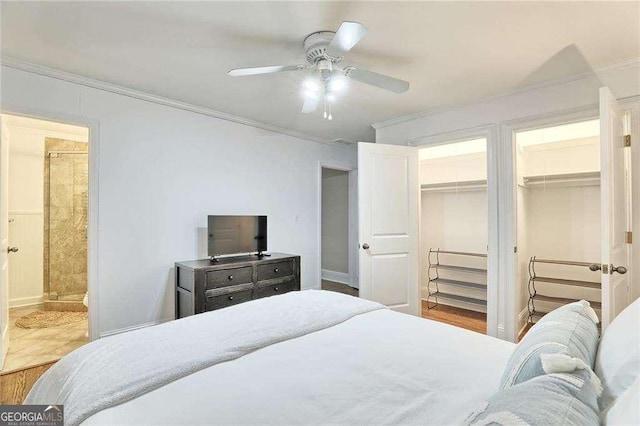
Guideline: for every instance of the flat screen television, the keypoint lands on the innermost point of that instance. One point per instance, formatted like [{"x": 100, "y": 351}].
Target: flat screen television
[{"x": 236, "y": 234}]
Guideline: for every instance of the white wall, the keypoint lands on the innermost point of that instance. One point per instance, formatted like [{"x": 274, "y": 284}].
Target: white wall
[
  {"x": 335, "y": 223},
  {"x": 26, "y": 183},
  {"x": 466, "y": 167},
  {"x": 574, "y": 156},
  {"x": 162, "y": 170}
]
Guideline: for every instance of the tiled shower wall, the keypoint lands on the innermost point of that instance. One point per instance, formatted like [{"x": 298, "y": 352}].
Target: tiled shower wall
[{"x": 65, "y": 219}]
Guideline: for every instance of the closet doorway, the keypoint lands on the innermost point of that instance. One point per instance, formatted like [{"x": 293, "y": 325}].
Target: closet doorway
[
  {"x": 558, "y": 207},
  {"x": 454, "y": 233},
  {"x": 338, "y": 227}
]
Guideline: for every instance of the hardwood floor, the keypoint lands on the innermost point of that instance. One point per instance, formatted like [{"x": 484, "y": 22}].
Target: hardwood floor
[
  {"x": 524, "y": 331},
  {"x": 340, "y": 288},
  {"x": 15, "y": 385},
  {"x": 470, "y": 320}
]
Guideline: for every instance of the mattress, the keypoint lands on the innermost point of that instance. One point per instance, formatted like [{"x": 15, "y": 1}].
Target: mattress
[{"x": 379, "y": 367}]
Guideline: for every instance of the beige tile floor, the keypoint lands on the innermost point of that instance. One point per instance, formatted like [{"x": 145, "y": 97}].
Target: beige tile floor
[{"x": 28, "y": 347}]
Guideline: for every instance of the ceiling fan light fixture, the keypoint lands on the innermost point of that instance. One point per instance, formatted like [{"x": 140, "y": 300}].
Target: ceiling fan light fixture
[
  {"x": 311, "y": 84},
  {"x": 310, "y": 94},
  {"x": 337, "y": 82}
]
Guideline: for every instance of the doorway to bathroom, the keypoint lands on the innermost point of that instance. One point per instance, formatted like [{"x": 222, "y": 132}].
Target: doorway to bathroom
[{"x": 46, "y": 181}]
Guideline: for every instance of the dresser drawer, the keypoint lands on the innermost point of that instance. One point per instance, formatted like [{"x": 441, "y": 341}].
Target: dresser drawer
[
  {"x": 227, "y": 277},
  {"x": 275, "y": 270},
  {"x": 273, "y": 289},
  {"x": 229, "y": 299}
]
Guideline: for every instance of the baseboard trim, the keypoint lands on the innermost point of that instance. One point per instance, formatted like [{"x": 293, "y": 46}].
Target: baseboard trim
[
  {"x": 521, "y": 323},
  {"x": 338, "y": 277},
  {"x": 25, "y": 301},
  {"x": 132, "y": 328},
  {"x": 4, "y": 343}
]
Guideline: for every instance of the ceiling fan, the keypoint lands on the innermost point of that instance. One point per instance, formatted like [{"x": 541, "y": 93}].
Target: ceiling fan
[{"x": 324, "y": 51}]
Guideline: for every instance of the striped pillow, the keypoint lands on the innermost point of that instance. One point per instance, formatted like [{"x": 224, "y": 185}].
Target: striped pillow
[
  {"x": 569, "y": 330},
  {"x": 551, "y": 399}
]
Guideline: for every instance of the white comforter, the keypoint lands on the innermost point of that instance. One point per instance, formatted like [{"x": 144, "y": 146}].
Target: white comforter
[{"x": 367, "y": 365}]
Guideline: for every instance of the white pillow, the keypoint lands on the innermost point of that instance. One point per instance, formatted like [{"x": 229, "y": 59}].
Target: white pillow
[
  {"x": 618, "y": 358},
  {"x": 625, "y": 411}
]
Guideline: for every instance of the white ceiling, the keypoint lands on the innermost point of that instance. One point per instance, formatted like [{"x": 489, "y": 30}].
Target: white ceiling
[{"x": 451, "y": 52}]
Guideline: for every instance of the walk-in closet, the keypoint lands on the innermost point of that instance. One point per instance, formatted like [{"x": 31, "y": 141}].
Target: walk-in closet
[
  {"x": 558, "y": 217},
  {"x": 454, "y": 227}
]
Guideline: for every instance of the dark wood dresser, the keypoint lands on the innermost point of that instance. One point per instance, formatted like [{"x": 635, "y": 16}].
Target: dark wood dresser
[{"x": 203, "y": 285}]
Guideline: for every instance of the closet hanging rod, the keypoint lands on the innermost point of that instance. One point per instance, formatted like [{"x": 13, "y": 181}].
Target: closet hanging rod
[
  {"x": 455, "y": 185},
  {"x": 460, "y": 253},
  {"x": 563, "y": 262}
]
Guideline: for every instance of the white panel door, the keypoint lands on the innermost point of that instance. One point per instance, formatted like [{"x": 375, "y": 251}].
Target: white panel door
[
  {"x": 4, "y": 241},
  {"x": 614, "y": 207},
  {"x": 388, "y": 190}
]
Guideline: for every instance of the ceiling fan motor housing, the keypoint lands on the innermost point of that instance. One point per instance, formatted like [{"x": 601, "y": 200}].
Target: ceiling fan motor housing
[{"x": 315, "y": 45}]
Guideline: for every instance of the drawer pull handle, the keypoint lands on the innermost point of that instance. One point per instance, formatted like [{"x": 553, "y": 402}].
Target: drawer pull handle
[
  {"x": 275, "y": 288},
  {"x": 276, "y": 270},
  {"x": 230, "y": 297},
  {"x": 230, "y": 277}
]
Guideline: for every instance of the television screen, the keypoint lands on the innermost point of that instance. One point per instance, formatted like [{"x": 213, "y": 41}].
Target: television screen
[{"x": 237, "y": 234}]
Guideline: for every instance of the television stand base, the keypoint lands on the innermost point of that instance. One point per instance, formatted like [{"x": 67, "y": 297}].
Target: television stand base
[{"x": 261, "y": 254}]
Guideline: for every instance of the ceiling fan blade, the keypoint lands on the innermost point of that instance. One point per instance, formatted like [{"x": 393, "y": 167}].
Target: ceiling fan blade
[
  {"x": 310, "y": 104},
  {"x": 347, "y": 36},
  {"x": 379, "y": 80},
  {"x": 238, "y": 72}
]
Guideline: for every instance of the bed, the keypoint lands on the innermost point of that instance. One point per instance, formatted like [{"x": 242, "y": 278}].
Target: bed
[
  {"x": 317, "y": 357},
  {"x": 310, "y": 357}
]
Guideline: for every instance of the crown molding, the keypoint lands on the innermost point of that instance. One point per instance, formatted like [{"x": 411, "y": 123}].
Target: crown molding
[
  {"x": 148, "y": 97},
  {"x": 557, "y": 82}
]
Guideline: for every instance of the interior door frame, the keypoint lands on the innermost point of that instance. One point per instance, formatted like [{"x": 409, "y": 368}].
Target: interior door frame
[
  {"x": 507, "y": 196},
  {"x": 488, "y": 132},
  {"x": 632, "y": 105},
  {"x": 92, "y": 208},
  {"x": 352, "y": 219}
]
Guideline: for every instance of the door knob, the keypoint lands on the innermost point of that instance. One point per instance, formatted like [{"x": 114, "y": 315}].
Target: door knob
[
  {"x": 619, "y": 269},
  {"x": 365, "y": 246},
  {"x": 15, "y": 249},
  {"x": 595, "y": 267}
]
